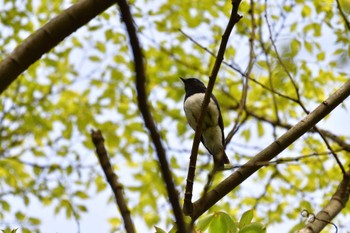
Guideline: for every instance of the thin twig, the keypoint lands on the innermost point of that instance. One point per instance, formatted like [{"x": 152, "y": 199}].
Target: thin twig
[
  {"x": 234, "y": 18},
  {"x": 146, "y": 114},
  {"x": 112, "y": 179},
  {"x": 75, "y": 214},
  {"x": 285, "y": 160},
  {"x": 245, "y": 80},
  {"x": 335, "y": 156},
  {"x": 266, "y": 50}
]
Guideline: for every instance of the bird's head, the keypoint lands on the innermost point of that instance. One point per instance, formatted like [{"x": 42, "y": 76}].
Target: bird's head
[{"x": 193, "y": 85}]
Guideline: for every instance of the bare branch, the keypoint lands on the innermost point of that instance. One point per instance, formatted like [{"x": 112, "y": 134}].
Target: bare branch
[
  {"x": 333, "y": 207},
  {"x": 245, "y": 79},
  {"x": 147, "y": 117},
  {"x": 112, "y": 179},
  {"x": 47, "y": 37},
  {"x": 285, "y": 160},
  {"x": 236, "y": 178},
  {"x": 234, "y": 18}
]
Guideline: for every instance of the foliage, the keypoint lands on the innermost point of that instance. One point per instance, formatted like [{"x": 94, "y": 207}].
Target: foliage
[{"x": 87, "y": 81}]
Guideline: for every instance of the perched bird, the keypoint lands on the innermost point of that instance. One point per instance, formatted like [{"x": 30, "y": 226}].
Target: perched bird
[{"x": 213, "y": 128}]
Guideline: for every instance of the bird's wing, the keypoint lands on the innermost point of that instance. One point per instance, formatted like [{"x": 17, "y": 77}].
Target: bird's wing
[{"x": 220, "y": 121}]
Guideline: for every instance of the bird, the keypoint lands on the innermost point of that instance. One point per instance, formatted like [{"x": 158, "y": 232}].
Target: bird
[{"x": 213, "y": 127}]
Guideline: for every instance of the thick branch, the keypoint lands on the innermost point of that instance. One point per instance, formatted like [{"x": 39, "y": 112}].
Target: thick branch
[
  {"x": 147, "y": 117},
  {"x": 234, "y": 18},
  {"x": 236, "y": 178},
  {"x": 47, "y": 37},
  {"x": 333, "y": 207},
  {"x": 112, "y": 179}
]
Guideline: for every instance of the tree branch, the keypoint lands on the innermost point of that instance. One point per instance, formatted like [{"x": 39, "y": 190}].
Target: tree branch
[
  {"x": 333, "y": 207},
  {"x": 146, "y": 114},
  {"x": 234, "y": 18},
  {"x": 112, "y": 179},
  {"x": 47, "y": 37},
  {"x": 236, "y": 178}
]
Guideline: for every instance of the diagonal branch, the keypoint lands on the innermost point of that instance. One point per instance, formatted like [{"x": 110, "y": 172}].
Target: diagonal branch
[
  {"x": 234, "y": 18},
  {"x": 147, "y": 117},
  {"x": 333, "y": 207},
  {"x": 47, "y": 37},
  {"x": 271, "y": 151},
  {"x": 112, "y": 179}
]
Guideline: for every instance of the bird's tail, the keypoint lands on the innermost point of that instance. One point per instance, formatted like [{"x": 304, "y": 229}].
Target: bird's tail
[{"x": 220, "y": 160}]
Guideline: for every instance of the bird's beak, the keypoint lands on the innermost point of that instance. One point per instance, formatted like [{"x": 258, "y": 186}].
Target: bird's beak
[{"x": 183, "y": 80}]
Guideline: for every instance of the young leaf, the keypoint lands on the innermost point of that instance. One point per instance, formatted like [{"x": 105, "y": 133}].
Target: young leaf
[
  {"x": 245, "y": 219},
  {"x": 203, "y": 223},
  {"x": 253, "y": 228}
]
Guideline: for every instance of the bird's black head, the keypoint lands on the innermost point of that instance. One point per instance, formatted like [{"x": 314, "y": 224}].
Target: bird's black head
[{"x": 193, "y": 86}]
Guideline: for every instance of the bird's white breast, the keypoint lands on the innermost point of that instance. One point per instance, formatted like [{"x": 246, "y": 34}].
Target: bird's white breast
[{"x": 192, "y": 108}]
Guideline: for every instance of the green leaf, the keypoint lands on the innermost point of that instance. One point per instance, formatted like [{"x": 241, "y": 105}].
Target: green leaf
[
  {"x": 218, "y": 222},
  {"x": 114, "y": 221},
  {"x": 81, "y": 194},
  {"x": 26, "y": 230},
  {"x": 26, "y": 200},
  {"x": 100, "y": 184},
  {"x": 246, "y": 134},
  {"x": 253, "y": 228},
  {"x": 306, "y": 11},
  {"x": 95, "y": 58},
  {"x": 5, "y": 205},
  {"x": 321, "y": 56},
  {"x": 260, "y": 129},
  {"x": 9, "y": 230},
  {"x": 308, "y": 46},
  {"x": 20, "y": 216},
  {"x": 203, "y": 223},
  {"x": 246, "y": 218},
  {"x": 82, "y": 208},
  {"x": 345, "y": 4},
  {"x": 295, "y": 47},
  {"x": 34, "y": 221}
]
